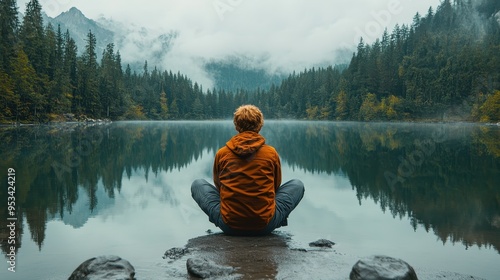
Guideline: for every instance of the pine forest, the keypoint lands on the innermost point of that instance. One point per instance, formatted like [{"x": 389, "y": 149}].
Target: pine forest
[{"x": 444, "y": 66}]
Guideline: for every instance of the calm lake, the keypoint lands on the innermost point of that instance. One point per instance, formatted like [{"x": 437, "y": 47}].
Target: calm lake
[{"x": 426, "y": 193}]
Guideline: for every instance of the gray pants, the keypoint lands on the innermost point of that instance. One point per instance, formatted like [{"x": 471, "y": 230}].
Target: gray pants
[{"x": 287, "y": 198}]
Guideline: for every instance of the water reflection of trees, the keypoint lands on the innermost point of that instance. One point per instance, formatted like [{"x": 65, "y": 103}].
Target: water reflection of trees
[
  {"x": 454, "y": 192},
  {"x": 51, "y": 163}
]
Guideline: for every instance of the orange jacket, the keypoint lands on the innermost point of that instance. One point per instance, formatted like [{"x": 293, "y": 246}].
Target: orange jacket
[{"x": 247, "y": 173}]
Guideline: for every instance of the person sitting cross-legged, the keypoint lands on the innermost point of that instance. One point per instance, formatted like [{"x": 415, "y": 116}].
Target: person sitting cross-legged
[{"x": 248, "y": 198}]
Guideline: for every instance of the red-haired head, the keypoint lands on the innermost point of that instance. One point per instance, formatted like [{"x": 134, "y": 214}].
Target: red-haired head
[{"x": 248, "y": 118}]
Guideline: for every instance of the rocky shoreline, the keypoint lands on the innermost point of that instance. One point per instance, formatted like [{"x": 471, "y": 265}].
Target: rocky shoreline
[
  {"x": 63, "y": 120},
  {"x": 218, "y": 256},
  {"x": 82, "y": 119}
]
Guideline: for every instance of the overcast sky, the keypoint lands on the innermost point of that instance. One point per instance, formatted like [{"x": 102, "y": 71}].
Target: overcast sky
[{"x": 279, "y": 35}]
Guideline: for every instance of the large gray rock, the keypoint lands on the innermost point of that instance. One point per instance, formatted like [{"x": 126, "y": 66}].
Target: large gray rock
[
  {"x": 382, "y": 268},
  {"x": 104, "y": 267},
  {"x": 203, "y": 268},
  {"x": 255, "y": 257}
]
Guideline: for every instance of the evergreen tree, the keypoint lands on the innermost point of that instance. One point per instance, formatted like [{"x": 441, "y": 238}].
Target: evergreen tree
[
  {"x": 9, "y": 24},
  {"x": 58, "y": 82},
  {"x": 9, "y": 101},
  {"x": 111, "y": 84},
  {"x": 30, "y": 100},
  {"x": 32, "y": 36},
  {"x": 163, "y": 106},
  {"x": 32, "y": 39},
  {"x": 69, "y": 73},
  {"x": 341, "y": 110},
  {"x": 88, "y": 79}
]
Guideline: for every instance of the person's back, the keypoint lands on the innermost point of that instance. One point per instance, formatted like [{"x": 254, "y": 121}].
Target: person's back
[
  {"x": 247, "y": 173},
  {"x": 247, "y": 198}
]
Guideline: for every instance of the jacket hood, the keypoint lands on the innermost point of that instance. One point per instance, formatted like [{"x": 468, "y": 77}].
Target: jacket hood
[{"x": 246, "y": 143}]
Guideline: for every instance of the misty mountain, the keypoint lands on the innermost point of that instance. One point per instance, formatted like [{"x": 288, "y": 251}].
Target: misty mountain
[
  {"x": 138, "y": 44},
  {"x": 79, "y": 25},
  {"x": 233, "y": 74}
]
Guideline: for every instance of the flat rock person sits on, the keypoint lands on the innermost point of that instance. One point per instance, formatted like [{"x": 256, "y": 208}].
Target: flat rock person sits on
[{"x": 248, "y": 198}]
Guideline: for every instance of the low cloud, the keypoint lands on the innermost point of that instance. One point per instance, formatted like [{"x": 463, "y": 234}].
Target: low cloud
[{"x": 278, "y": 36}]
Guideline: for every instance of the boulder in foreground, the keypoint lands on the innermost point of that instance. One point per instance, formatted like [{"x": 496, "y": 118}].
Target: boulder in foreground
[
  {"x": 382, "y": 268},
  {"x": 104, "y": 267},
  {"x": 203, "y": 268}
]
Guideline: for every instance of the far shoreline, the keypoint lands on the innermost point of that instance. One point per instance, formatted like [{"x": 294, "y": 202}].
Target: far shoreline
[{"x": 108, "y": 121}]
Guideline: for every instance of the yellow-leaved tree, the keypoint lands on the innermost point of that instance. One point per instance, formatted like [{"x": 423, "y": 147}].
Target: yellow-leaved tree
[{"x": 490, "y": 110}]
